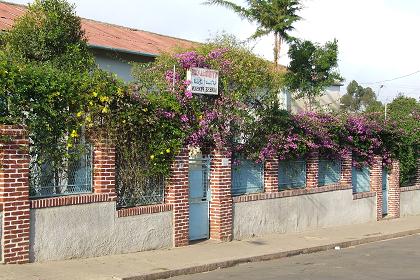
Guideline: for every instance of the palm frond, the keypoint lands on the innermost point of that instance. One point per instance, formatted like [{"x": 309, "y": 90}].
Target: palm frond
[{"x": 241, "y": 11}]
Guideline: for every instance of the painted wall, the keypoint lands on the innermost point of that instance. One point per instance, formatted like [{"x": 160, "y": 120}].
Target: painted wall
[
  {"x": 122, "y": 69},
  {"x": 117, "y": 62},
  {"x": 89, "y": 230},
  {"x": 299, "y": 213},
  {"x": 410, "y": 203}
]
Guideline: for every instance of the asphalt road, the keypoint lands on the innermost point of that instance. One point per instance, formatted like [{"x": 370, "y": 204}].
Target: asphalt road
[{"x": 397, "y": 259}]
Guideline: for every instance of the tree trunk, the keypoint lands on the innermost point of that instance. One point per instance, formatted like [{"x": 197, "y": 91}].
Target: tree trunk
[{"x": 276, "y": 49}]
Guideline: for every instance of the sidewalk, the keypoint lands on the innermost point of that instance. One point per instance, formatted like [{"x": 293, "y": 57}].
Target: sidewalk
[{"x": 211, "y": 255}]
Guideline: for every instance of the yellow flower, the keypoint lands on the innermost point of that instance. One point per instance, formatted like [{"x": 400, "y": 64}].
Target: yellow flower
[
  {"x": 74, "y": 134},
  {"x": 90, "y": 103},
  {"x": 200, "y": 117},
  {"x": 152, "y": 157},
  {"x": 105, "y": 110},
  {"x": 79, "y": 114},
  {"x": 69, "y": 145},
  {"x": 161, "y": 153},
  {"x": 144, "y": 109},
  {"x": 120, "y": 92},
  {"x": 104, "y": 98},
  {"x": 168, "y": 151},
  {"x": 88, "y": 118},
  {"x": 94, "y": 93}
]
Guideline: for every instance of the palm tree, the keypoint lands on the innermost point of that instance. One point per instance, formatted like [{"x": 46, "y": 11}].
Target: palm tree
[{"x": 272, "y": 16}]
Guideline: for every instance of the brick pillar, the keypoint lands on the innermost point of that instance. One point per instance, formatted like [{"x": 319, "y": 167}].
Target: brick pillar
[
  {"x": 346, "y": 167},
  {"x": 14, "y": 194},
  {"x": 221, "y": 197},
  {"x": 271, "y": 179},
  {"x": 177, "y": 194},
  {"x": 312, "y": 171},
  {"x": 104, "y": 167},
  {"x": 418, "y": 172},
  {"x": 376, "y": 184},
  {"x": 394, "y": 190}
]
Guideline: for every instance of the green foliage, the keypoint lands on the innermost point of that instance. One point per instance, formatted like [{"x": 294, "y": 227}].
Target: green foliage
[
  {"x": 49, "y": 31},
  {"x": 271, "y": 16},
  {"x": 49, "y": 84},
  {"x": 312, "y": 69},
  {"x": 404, "y": 113},
  {"x": 359, "y": 99}
]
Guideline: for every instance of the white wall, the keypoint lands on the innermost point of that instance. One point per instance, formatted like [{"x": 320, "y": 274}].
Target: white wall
[
  {"x": 300, "y": 213},
  {"x": 89, "y": 230}
]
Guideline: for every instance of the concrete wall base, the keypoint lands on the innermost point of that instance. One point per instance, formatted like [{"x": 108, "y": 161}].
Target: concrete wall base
[
  {"x": 410, "y": 203},
  {"x": 299, "y": 213},
  {"x": 89, "y": 230}
]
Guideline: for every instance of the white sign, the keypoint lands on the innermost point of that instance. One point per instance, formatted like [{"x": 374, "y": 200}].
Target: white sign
[{"x": 203, "y": 81}]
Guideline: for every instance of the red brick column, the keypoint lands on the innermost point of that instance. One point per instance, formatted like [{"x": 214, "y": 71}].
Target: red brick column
[
  {"x": 221, "y": 197},
  {"x": 14, "y": 194},
  {"x": 271, "y": 173},
  {"x": 104, "y": 167},
  {"x": 394, "y": 190},
  {"x": 418, "y": 172},
  {"x": 376, "y": 184},
  {"x": 176, "y": 193},
  {"x": 346, "y": 167},
  {"x": 312, "y": 163}
]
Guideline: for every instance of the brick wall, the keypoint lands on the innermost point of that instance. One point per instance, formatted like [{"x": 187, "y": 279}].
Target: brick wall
[
  {"x": 346, "y": 167},
  {"x": 221, "y": 198},
  {"x": 104, "y": 167},
  {"x": 271, "y": 179},
  {"x": 312, "y": 164},
  {"x": 394, "y": 190},
  {"x": 14, "y": 194},
  {"x": 376, "y": 184},
  {"x": 177, "y": 194}
]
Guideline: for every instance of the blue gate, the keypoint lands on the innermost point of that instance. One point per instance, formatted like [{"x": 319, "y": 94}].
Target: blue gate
[
  {"x": 247, "y": 177},
  {"x": 292, "y": 174},
  {"x": 199, "y": 197},
  {"x": 384, "y": 191},
  {"x": 360, "y": 179}
]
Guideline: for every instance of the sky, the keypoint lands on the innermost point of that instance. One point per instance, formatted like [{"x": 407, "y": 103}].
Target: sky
[{"x": 378, "y": 40}]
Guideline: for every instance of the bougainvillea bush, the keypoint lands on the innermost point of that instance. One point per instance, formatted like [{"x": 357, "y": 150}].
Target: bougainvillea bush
[
  {"x": 282, "y": 135},
  {"x": 246, "y": 85}
]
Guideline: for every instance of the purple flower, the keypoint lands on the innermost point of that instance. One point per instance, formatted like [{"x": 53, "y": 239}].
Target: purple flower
[{"x": 184, "y": 118}]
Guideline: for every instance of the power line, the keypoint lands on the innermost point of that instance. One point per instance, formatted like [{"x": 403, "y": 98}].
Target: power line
[{"x": 393, "y": 79}]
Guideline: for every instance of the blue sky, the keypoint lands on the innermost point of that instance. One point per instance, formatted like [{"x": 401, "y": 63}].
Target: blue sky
[{"x": 378, "y": 39}]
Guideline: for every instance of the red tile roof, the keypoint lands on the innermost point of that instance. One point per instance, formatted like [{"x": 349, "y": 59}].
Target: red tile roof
[{"x": 107, "y": 35}]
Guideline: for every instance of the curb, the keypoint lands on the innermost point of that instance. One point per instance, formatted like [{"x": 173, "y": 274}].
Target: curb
[{"x": 267, "y": 257}]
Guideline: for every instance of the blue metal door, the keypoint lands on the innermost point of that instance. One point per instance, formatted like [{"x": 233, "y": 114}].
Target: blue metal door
[
  {"x": 384, "y": 191},
  {"x": 199, "y": 196}
]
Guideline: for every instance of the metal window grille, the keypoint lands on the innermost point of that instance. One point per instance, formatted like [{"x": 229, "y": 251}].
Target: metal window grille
[
  {"x": 329, "y": 172},
  {"x": 292, "y": 174},
  {"x": 247, "y": 177},
  {"x": 74, "y": 178},
  {"x": 146, "y": 190},
  {"x": 360, "y": 179}
]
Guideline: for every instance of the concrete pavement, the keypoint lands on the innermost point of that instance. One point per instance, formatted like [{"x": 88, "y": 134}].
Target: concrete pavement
[{"x": 211, "y": 255}]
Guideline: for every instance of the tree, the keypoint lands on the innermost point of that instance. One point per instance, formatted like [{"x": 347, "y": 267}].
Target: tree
[
  {"x": 50, "y": 31},
  {"x": 404, "y": 112},
  {"x": 272, "y": 16},
  {"x": 312, "y": 69},
  {"x": 360, "y": 99}
]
